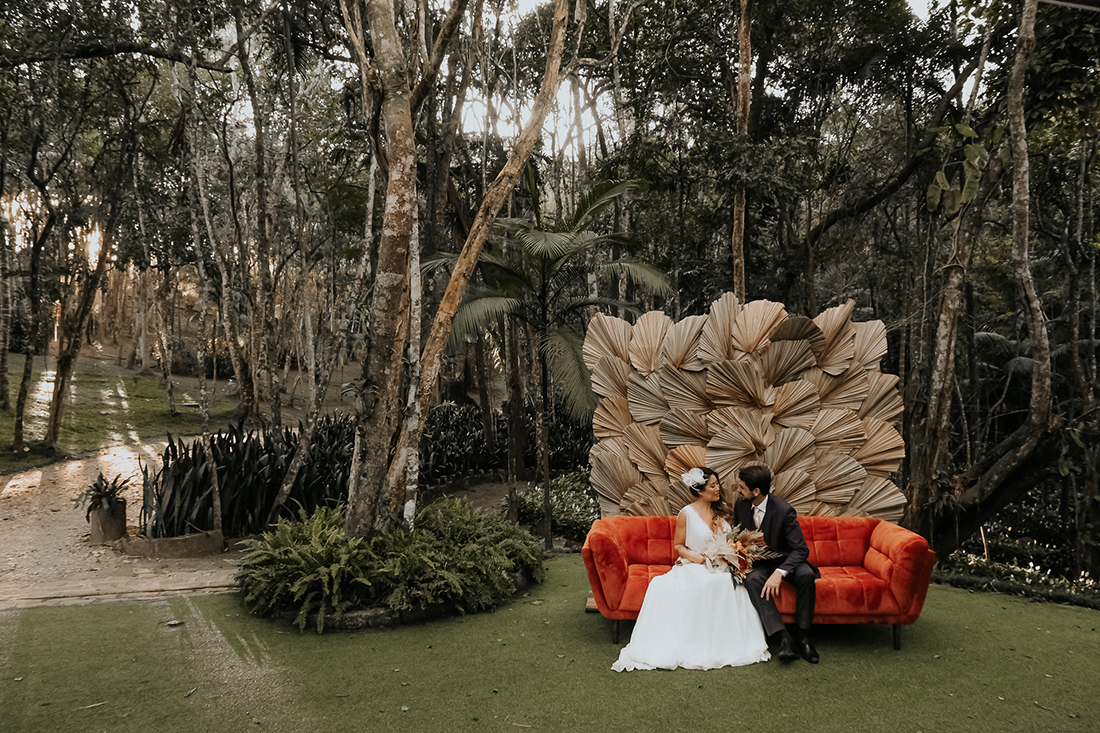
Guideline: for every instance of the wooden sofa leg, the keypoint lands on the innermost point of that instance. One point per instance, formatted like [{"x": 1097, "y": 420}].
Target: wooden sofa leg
[
  {"x": 614, "y": 631},
  {"x": 897, "y": 637}
]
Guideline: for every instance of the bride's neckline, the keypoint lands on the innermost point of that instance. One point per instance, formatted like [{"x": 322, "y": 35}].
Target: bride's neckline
[{"x": 713, "y": 517}]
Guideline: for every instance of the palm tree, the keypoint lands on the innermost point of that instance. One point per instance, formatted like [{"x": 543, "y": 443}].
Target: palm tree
[{"x": 536, "y": 275}]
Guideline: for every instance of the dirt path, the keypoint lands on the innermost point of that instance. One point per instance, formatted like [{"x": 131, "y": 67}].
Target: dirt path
[{"x": 45, "y": 556}]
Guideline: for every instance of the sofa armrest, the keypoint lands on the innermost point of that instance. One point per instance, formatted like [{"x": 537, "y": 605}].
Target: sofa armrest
[
  {"x": 903, "y": 559},
  {"x": 606, "y": 565}
]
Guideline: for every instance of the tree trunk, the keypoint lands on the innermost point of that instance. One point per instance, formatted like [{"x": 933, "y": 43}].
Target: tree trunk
[
  {"x": 379, "y": 399},
  {"x": 744, "y": 96}
]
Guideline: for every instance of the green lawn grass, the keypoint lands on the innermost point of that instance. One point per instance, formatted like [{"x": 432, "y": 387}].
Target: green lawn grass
[
  {"x": 973, "y": 662},
  {"x": 103, "y": 409}
]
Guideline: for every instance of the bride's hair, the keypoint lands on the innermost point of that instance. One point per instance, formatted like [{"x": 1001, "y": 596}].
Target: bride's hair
[{"x": 720, "y": 507}]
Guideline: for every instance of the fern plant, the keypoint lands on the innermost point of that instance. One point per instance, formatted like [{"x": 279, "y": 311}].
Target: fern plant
[{"x": 309, "y": 565}]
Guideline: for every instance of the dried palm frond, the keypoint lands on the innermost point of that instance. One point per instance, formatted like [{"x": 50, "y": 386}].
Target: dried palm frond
[
  {"x": 785, "y": 361},
  {"x": 840, "y": 338},
  {"x": 642, "y": 500},
  {"x": 609, "y": 377},
  {"x": 647, "y": 403},
  {"x": 877, "y": 497},
  {"x": 647, "y": 341},
  {"x": 821, "y": 509},
  {"x": 685, "y": 390},
  {"x": 793, "y": 449},
  {"x": 608, "y": 445},
  {"x": 755, "y": 323},
  {"x": 682, "y": 459},
  {"x": 738, "y": 384},
  {"x": 796, "y": 405},
  {"x": 883, "y": 400},
  {"x": 715, "y": 338},
  {"x": 681, "y": 348},
  {"x": 678, "y": 496},
  {"x": 838, "y": 430},
  {"x": 848, "y": 390},
  {"x": 837, "y": 478},
  {"x": 611, "y": 417},
  {"x": 753, "y": 423},
  {"x": 607, "y": 336},
  {"x": 645, "y": 448},
  {"x": 612, "y": 474},
  {"x": 728, "y": 452},
  {"x": 800, "y": 328},
  {"x": 796, "y": 488},
  {"x": 884, "y": 450},
  {"x": 685, "y": 427},
  {"x": 870, "y": 344}
]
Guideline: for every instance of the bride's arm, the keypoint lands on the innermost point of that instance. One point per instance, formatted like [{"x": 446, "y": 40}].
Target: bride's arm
[{"x": 680, "y": 537}]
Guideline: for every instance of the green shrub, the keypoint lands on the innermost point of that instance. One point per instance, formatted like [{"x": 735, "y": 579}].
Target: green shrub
[
  {"x": 309, "y": 565},
  {"x": 964, "y": 570},
  {"x": 573, "y": 505},
  {"x": 178, "y": 499},
  {"x": 457, "y": 557}
]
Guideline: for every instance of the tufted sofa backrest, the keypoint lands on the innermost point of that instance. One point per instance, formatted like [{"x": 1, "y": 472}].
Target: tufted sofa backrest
[
  {"x": 837, "y": 541},
  {"x": 645, "y": 540}
]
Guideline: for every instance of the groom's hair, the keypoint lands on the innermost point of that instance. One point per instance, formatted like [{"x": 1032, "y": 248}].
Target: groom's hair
[{"x": 757, "y": 477}]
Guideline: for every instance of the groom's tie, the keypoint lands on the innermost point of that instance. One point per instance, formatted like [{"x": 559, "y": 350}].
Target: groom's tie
[{"x": 758, "y": 515}]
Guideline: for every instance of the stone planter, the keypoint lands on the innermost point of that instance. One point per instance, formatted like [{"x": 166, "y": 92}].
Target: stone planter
[{"x": 107, "y": 524}]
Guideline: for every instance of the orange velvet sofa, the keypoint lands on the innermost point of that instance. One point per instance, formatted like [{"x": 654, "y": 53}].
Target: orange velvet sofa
[{"x": 872, "y": 571}]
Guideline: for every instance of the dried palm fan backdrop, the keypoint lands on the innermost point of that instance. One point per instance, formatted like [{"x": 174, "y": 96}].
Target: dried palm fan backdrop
[{"x": 742, "y": 385}]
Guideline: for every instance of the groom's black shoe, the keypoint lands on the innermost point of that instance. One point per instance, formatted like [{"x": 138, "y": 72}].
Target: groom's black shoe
[
  {"x": 787, "y": 651},
  {"x": 806, "y": 648}
]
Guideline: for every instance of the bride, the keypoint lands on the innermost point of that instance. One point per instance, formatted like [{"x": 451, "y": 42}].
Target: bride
[{"x": 692, "y": 617}]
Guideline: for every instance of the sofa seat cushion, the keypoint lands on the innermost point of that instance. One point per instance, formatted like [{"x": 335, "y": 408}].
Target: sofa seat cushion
[
  {"x": 851, "y": 590},
  {"x": 637, "y": 580}
]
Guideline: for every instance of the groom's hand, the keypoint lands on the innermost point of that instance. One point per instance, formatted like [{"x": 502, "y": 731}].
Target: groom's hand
[{"x": 771, "y": 586}]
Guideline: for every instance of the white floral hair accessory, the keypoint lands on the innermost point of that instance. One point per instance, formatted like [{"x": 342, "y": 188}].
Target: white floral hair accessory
[{"x": 694, "y": 478}]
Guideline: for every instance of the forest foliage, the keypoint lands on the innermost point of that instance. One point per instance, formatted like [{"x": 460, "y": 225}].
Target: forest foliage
[{"x": 259, "y": 184}]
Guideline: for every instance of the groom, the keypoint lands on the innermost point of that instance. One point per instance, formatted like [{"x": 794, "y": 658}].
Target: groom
[{"x": 755, "y": 508}]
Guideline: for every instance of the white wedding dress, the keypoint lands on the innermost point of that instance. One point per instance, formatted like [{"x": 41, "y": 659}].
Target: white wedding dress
[{"x": 694, "y": 618}]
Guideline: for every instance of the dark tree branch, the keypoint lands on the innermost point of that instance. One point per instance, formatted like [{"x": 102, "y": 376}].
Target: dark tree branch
[{"x": 9, "y": 60}]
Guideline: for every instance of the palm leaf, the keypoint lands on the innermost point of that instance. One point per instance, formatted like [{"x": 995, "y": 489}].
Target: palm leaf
[
  {"x": 612, "y": 475},
  {"x": 646, "y": 341},
  {"x": 645, "y": 448},
  {"x": 684, "y": 427},
  {"x": 785, "y": 361},
  {"x": 755, "y": 323},
  {"x": 646, "y": 277},
  {"x": 715, "y": 342},
  {"x": 757, "y": 425},
  {"x": 614, "y": 444},
  {"x": 792, "y": 449},
  {"x": 474, "y": 316},
  {"x": 870, "y": 344},
  {"x": 848, "y": 390},
  {"x": 610, "y": 376},
  {"x": 795, "y": 487},
  {"x": 877, "y": 497},
  {"x": 607, "y": 336},
  {"x": 732, "y": 448},
  {"x": 884, "y": 449},
  {"x": 643, "y": 500},
  {"x": 681, "y": 348},
  {"x": 678, "y": 496},
  {"x": 840, "y": 338},
  {"x": 796, "y": 405},
  {"x": 682, "y": 459},
  {"x": 838, "y": 430},
  {"x": 800, "y": 328},
  {"x": 738, "y": 384},
  {"x": 611, "y": 418},
  {"x": 821, "y": 509},
  {"x": 593, "y": 204},
  {"x": 647, "y": 403},
  {"x": 883, "y": 401},
  {"x": 562, "y": 349},
  {"x": 837, "y": 478},
  {"x": 685, "y": 390}
]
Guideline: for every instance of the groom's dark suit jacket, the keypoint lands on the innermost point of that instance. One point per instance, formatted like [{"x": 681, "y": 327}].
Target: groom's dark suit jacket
[{"x": 781, "y": 532}]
